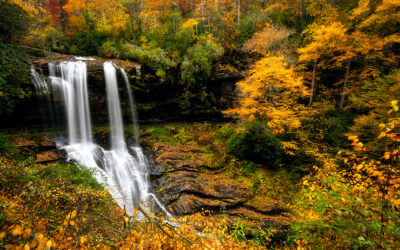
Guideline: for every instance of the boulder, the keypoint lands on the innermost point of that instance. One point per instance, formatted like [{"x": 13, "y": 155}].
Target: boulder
[
  {"x": 48, "y": 156},
  {"x": 210, "y": 188},
  {"x": 265, "y": 205}
]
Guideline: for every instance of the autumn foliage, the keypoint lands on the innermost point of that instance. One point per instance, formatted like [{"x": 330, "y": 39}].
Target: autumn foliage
[
  {"x": 271, "y": 91},
  {"x": 315, "y": 111}
]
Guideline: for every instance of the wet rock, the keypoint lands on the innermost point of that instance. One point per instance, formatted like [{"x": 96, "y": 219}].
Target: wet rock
[
  {"x": 48, "y": 156},
  {"x": 190, "y": 204},
  {"x": 189, "y": 186},
  {"x": 23, "y": 142},
  {"x": 216, "y": 190},
  {"x": 46, "y": 144},
  {"x": 264, "y": 205},
  {"x": 93, "y": 63}
]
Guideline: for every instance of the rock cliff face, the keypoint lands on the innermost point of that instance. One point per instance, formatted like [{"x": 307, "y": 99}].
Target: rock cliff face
[
  {"x": 156, "y": 101},
  {"x": 187, "y": 185}
]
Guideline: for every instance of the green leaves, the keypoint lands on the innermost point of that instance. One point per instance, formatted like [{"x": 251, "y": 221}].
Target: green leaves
[{"x": 14, "y": 78}]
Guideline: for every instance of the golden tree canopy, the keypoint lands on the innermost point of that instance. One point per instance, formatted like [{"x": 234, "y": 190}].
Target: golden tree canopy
[{"x": 271, "y": 91}]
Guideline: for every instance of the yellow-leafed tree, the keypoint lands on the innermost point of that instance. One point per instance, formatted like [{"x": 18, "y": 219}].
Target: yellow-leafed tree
[{"x": 271, "y": 91}]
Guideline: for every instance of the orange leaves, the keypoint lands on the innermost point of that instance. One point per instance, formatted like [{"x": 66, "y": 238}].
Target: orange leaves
[
  {"x": 109, "y": 15},
  {"x": 135, "y": 212},
  {"x": 83, "y": 240},
  {"x": 17, "y": 230},
  {"x": 357, "y": 145}
]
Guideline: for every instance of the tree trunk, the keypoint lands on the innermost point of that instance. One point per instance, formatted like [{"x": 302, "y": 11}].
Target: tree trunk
[
  {"x": 312, "y": 85},
  {"x": 63, "y": 17},
  {"x": 302, "y": 14},
  {"x": 238, "y": 13},
  {"x": 341, "y": 105},
  {"x": 132, "y": 23}
]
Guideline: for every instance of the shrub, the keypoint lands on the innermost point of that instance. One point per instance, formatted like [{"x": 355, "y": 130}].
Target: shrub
[
  {"x": 87, "y": 43},
  {"x": 224, "y": 133},
  {"x": 338, "y": 124},
  {"x": 8, "y": 149},
  {"x": 14, "y": 21},
  {"x": 196, "y": 68},
  {"x": 110, "y": 49},
  {"x": 54, "y": 39},
  {"x": 333, "y": 215},
  {"x": 5, "y": 145},
  {"x": 256, "y": 143},
  {"x": 197, "y": 64},
  {"x": 14, "y": 81},
  {"x": 155, "y": 58},
  {"x": 329, "y": 127}
]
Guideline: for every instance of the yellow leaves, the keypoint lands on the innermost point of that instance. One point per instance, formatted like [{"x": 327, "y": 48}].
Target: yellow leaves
[
  {"x": 271, "y": 91},
  {"x": 190, "y": 23},
  {"x": 360, "y": 167},
  {"x": 325, "y": 40},
  {"x": 2, "y": 235},
  {"x": 289, "y": 147},
  {"x": 49, "y": 244},
  {"x": 83, "y": 240},
  {"x": 39, "y": 237},
  {"x": 73, "y": 214},
  {"x": 360, "y": 10},
  {"x": 395, "y": 106},
  {"x": 386, "y": 155}
]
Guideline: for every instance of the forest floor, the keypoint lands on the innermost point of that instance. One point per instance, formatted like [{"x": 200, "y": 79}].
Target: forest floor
[{"x": 47, "y": 201}]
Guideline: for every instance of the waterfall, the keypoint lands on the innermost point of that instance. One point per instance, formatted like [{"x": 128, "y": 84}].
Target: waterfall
[
  {"x": 122, "y": 169},
  {"x": 132, "y": 106},
  {"x": 43, "y": 97},
  {"x": 114, "y": 107}
]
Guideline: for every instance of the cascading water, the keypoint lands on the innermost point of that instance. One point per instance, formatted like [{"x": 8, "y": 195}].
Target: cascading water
[
  {"x": 133, "y": 108},
  {"x": 42, "y": 93},
  {"x": 122, "y": 169}
]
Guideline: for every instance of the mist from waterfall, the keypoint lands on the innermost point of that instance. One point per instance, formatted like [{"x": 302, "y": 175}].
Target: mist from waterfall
[{"x": 123, "y": 169}]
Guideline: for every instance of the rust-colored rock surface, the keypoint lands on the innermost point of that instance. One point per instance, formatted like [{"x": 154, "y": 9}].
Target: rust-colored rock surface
[
  {"x": 188, "y": 185},
  {"x": 47, "y": 156}
]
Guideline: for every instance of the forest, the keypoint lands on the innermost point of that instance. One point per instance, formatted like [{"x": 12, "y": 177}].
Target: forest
[{"x": 264, "y": 124}]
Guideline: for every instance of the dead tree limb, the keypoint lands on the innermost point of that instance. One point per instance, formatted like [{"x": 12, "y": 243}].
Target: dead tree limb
[{"x": 156, "y": 221}]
